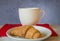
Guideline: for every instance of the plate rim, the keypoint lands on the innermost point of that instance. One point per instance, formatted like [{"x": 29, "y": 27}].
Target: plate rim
[{"x": 30, "y": 39}]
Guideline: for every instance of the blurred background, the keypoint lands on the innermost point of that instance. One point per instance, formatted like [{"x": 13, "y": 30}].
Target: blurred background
[{"x": 9, "y": 10}]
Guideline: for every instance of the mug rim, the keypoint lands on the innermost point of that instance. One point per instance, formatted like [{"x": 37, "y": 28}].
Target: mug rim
[{"x": 29, "y": 8}]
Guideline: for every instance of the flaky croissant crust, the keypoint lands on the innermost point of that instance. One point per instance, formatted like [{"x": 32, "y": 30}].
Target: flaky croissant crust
[{"x": 26, "y": 31}]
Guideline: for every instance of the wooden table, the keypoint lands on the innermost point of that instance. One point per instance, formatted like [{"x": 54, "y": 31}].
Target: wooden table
[{"x": 56, "y": 28}]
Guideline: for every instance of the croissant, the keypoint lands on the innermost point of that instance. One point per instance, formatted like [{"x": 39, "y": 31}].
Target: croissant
[{"x": 26, "y": 31}]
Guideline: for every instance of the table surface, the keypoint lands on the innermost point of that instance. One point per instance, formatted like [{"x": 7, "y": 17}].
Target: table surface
[{"x": 56, "y": 28}]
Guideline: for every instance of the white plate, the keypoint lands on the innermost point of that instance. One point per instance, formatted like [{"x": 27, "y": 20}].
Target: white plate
[
  {"x": 40, "y": 28},
  {"x": 6, "y": 39}
]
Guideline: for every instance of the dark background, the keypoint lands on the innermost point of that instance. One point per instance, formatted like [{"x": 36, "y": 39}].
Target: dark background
[{"x": 9, "y": 10}]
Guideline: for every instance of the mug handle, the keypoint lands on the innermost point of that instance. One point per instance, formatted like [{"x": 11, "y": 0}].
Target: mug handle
[{"x": 43, "y": 13}]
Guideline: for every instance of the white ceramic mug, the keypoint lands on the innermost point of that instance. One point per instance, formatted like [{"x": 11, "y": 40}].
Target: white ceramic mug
[{"x": 30, "y": 16}]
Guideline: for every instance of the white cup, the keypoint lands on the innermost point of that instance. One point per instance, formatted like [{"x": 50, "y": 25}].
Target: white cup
[{"x": 30, "y": 16}]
